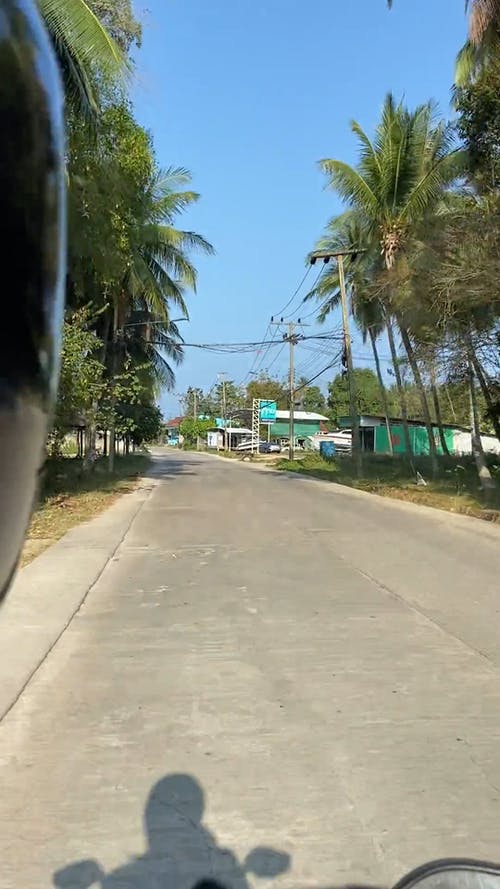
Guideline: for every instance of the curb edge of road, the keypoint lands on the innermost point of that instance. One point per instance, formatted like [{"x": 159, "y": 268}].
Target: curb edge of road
[{"x": 32, "y": 624}]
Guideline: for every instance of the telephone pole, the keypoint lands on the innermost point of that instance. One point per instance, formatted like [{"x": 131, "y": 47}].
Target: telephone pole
[
  {"x": 195, "y": 416},
  {"x": 292, "y": 338},
  {"x": 222, "y": 377},
  {"x": 356, "y": 432}
]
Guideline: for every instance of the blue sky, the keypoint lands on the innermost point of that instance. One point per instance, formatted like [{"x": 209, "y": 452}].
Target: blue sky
[{"x": 249, "y": 95}]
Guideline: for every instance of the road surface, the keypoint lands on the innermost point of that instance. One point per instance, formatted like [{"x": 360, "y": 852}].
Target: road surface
[{"x": 270, "y": 662}]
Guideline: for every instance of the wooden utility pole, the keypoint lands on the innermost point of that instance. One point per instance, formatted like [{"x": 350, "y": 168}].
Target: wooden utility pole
[{"x": 356, "y": 433}]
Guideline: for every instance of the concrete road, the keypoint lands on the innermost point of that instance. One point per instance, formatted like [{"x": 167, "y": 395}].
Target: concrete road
[{"x": 265, "y": 662}]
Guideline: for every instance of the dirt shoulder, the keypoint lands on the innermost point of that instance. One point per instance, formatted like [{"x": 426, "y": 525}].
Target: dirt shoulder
[{"x": 70, "y": 497}]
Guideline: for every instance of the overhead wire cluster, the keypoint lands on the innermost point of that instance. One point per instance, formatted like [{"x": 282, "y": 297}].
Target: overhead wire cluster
[
  {"x": 260, "y": 363},
  {"x": 273, "y": 343}
]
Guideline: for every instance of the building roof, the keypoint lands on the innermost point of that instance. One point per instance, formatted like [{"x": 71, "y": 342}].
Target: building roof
[
  {"x": 174, "y": 422},
  {"x": 231, "y": 430},
  {"x": 299, "y": 415},
  {"x": 365, "y": 419}
]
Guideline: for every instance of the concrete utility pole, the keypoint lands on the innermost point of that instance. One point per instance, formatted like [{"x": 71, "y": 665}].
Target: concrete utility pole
[
  {"x": 292, "y": 339},
  {"x": 356, "y": 432},
  {"x": 222, "y": 377},
  {"x": 195, "y": 416}
]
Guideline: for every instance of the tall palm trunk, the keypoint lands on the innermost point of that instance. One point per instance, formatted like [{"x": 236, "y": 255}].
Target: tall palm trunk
[
  {"x": 486, "y": 481},
  {"x": 437, "y": 408},
  {"x": 400, "y": 387},
  {"x": 383, "y": 393},
  {"x": 483, "y": 383},
  {"x": 423, "y": 397}
]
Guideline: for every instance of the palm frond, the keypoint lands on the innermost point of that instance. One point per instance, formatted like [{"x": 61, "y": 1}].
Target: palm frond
[
  {"x": 349, "y": 184},
  {"x": 73, "y": 24},
  {"x": 483, "y": 15}
]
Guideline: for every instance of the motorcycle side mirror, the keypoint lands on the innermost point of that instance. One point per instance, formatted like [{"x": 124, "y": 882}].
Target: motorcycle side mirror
[
  {"x": 264, "y": 862},
  {"x": 453, "y": 873}
]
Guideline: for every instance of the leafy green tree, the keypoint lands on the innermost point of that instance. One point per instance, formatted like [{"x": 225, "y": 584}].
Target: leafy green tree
[
  {"x": 272, "y": 390},
  {"x": 194, "y": 402},
  {"x": 309, "y": 398},
  {"x": 478, "y": 106},
  {"x": 81, "y": 380},
  {"x": 117, "y": 16},
  {"x": 146, "y": 422},
  {"x": 229, "y": 397},
  {"x": 193, "y": 429},
  {"x": 368, "y": 400},
  {"x": 125, "y": 250},
  {"x": 108, "y": 177}
]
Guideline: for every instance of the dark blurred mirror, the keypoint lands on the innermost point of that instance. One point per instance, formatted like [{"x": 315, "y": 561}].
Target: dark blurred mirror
[{"x": 453, "y": 875}]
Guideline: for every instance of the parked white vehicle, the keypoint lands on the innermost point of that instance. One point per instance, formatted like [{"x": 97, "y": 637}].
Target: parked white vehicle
[{"x": 342, "y": 439}]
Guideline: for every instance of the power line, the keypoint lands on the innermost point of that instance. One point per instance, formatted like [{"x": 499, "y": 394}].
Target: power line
[
  {"x": 295, "y": 292},
  {"x": 278, "y": 354},
  {"x": 259, "y": 360},
  {"x": 261, "y": 357},
  {"x": 322, "y": 371},
  {"x": 314, "y": 312},
  {"x": 250, "y": 346},
  {"x": 255, "y": 362}
]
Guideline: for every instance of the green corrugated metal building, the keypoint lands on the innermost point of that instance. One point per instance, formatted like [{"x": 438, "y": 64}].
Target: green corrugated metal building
[{"x": 374, "y": 435}]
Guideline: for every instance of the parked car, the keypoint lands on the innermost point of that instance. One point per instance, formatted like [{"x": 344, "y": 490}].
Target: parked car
[{"x": 269, "y": 447}]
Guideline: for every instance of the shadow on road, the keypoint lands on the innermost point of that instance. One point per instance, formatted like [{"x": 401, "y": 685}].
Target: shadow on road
[
  {"x": 180, "y": 852},
  {"x": 162, "y": 467}
]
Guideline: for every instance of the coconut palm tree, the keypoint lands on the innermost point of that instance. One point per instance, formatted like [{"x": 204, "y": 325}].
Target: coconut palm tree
[
  {"x": 84, "y": 49},
  {"x": 482, "y": 41},
  {"x": 159, "y": 272},
  {"x": 484, "y": 15},
  {"x": 398, "y": 181},
  {"x": 160, "y": 269}
]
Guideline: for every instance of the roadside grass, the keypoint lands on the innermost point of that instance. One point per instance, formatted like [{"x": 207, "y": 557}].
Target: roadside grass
[
  {"x": 68, "y": 496},
  {"x": 455, "y": 490}
]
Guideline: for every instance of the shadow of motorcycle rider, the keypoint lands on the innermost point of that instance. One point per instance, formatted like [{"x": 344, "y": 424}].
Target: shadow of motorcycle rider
[{"x": 180, "y": 852}]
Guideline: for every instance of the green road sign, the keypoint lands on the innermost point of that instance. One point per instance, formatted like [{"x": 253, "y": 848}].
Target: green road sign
[{"x": 267, "y": 411}]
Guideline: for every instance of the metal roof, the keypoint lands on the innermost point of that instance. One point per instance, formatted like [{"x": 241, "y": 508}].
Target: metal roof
[
  {"x": 232, "y": 430},
  {"x": 299, "y": 415}
]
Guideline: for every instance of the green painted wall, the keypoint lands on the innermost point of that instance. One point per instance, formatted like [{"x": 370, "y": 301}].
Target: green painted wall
[
  {"x": 281, "y": 429},
  {"x": 418, "y": 438}
]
